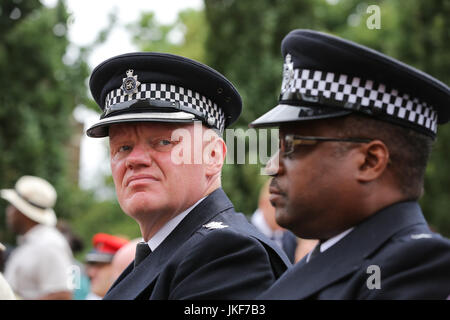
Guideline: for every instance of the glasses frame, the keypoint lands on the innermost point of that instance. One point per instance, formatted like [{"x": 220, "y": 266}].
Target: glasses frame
[{"x": 296, "y": 140}]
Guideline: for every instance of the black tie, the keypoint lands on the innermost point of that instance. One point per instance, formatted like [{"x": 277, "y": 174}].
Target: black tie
[{"x": 142, "y": 251}]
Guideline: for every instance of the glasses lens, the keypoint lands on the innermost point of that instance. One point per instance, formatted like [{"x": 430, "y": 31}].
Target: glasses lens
[{"x": 287, "y": 145}]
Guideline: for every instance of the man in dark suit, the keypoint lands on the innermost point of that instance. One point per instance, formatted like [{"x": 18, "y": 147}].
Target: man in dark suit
[
  {"x": 356, "y": 129},
  {"x": 165, "y": 116}
]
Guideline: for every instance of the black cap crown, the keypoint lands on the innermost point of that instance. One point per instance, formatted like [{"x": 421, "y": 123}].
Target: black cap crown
[
  {"x": 149, "y": 86},
  {"x": 326, "y": 76}
]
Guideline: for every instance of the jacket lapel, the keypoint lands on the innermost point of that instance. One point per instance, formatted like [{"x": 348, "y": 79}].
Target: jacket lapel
[
  {"x": 132, "y": 282},
  {"x": 346, "y": 256}
]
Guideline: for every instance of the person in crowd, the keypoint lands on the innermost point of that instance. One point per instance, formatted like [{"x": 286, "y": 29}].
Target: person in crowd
[
  {"x": 80, "y": 281},
  {"x": 123, "y": 257},
  {"x": 356, "y": 129},
  {"x": 39, "y": 267},
  {"x": 6, "y": 292}
]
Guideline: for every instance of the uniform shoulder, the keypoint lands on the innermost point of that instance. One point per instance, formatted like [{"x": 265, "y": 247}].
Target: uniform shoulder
[
  {"x": 415, "y": 248},
  {"x": 420, "y": 238},
  {"x": 413, "y": 266},
  {"x": 217, "y": 229}
]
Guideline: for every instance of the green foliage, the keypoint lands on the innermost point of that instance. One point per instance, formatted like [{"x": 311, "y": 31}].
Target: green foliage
[
  {"x": 39, "y": 92},
  {"x": 245, "y": 46},
  {"x": 107, "y": 217},
  {"x": 186, "y": 36}
]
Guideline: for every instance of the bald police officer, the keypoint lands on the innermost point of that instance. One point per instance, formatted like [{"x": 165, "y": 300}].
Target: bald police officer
[
  {"x": 164, "y": 115},
  {"x": 356, "y": 129}
]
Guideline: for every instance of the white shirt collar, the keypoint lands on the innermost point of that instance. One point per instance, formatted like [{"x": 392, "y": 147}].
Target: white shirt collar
[
  {"x": 164, "y": 232},
  {"x": 331, "y": 242}
]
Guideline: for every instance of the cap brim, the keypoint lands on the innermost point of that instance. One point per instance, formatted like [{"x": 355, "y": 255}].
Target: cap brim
[
  {"x": 98, "y": 257},
  {"x": 42, "y": 216},
  {"x": 284, "y": 113},
  {"x": 100, "y": 129}
]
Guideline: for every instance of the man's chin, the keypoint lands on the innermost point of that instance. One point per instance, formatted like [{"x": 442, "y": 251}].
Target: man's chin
[
  {"x": 137, "y": 205},
  {"x": 281, "y": 217},
  {"x": 136, "y": 211},
  {"x": 140, "y": 204}
]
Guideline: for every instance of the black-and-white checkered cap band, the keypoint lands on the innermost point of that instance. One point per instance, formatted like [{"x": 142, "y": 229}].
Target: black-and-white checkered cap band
[
  {"x": 213, "y": 115},
  {"x": 356, "y": 94}
]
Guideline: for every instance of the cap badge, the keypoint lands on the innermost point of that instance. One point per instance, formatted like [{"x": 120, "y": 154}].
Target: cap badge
[
  {"x": 288, "y": 73},
  {"x": 130, "y": 83},
  {"x": 215, "y": 225},
  {"x": 211, "y": 121}
]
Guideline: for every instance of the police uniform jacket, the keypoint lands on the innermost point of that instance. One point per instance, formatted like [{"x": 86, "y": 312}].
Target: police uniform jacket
[
  {"x": 214, "y": 253},
  {"x": 391, "y": 255}
]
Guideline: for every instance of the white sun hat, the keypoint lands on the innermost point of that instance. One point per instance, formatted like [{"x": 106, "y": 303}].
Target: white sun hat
[{"x": 34, "y": 197}]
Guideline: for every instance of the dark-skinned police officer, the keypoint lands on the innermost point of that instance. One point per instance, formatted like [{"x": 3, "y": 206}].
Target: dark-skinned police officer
[{"x": 356, "y": 130}]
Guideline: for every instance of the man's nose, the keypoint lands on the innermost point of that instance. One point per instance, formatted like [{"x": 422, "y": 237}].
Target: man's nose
[
  {"x": 140, "y": 156},
  {"x": 273, "y": 165}
]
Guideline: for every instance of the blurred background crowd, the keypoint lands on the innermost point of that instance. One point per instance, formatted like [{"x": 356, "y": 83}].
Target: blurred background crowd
[{"x": 44, "y": 86}]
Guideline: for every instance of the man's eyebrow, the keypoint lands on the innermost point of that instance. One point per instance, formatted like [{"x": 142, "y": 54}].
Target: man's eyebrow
[
  {"x": 119, "y": 133},
  {"x": 118, "y": 139}
]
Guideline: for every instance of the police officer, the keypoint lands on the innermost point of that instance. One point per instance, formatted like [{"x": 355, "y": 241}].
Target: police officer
[
  {"x": 164, "y": 115},
  {"x": 356, "y": 129}
]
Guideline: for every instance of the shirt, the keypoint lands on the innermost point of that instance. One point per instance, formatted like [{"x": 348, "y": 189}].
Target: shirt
[
  {"x": 164, "y": 232},
  {"x": 41, "y": 264},
  {"x": 330, "y": 242},
  {"x": 5, "y": 290}
]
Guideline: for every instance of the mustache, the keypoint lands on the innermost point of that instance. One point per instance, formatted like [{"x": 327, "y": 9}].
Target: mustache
[
  {"x": 274, "y": 187},
  {"x": 273, "y": 183}
]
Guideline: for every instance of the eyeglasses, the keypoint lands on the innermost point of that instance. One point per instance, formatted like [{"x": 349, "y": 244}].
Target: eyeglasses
[{"x": 289, "y": 141}]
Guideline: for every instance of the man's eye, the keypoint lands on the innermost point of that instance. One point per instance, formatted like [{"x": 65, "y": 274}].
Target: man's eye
[
  {"x": 124, "y": 148},
  {"x": 164, "y": 142}
]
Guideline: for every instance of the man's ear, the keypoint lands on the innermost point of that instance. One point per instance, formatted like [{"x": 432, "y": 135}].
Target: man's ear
[
  {"x": 214, "y": 153},
  {"x": 372, "y": 160}
]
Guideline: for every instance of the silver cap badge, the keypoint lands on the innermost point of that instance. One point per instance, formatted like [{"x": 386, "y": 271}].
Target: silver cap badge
[
  {"x": 288, "y": 73},
  {"x": 130, "y": 83}
]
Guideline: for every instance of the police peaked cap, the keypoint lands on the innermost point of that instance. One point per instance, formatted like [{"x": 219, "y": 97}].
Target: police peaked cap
[
  {"x": 150, "y": 86},
  {"x": 325, "y": 76},
  {"x": 105, "y": 247}
]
